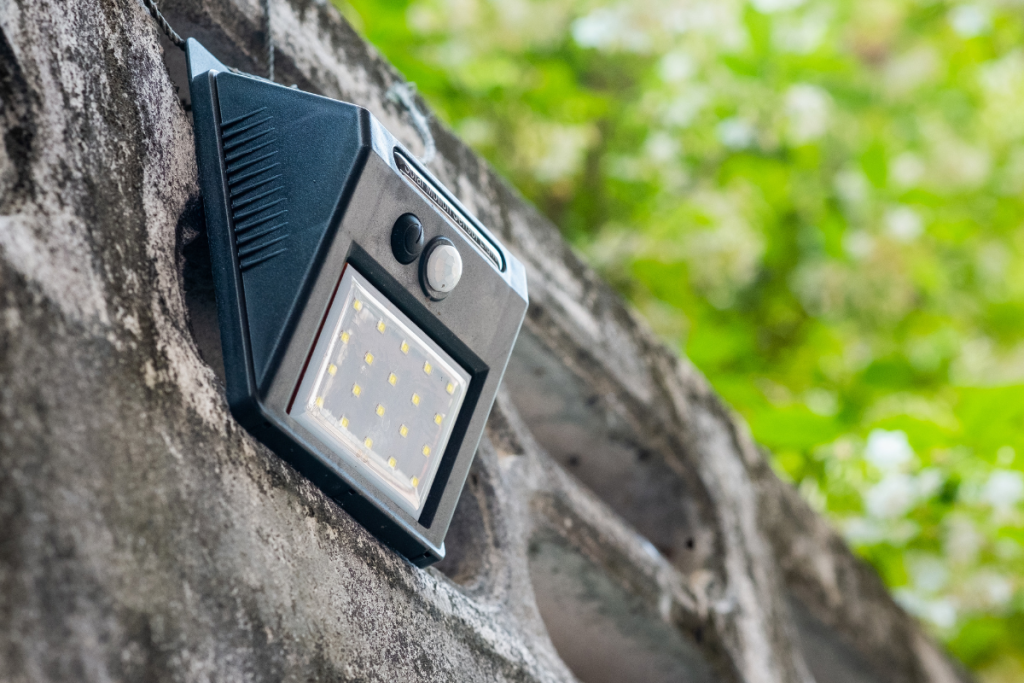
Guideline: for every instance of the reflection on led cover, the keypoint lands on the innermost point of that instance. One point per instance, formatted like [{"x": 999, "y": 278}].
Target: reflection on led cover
[{"x": 381, "y": 394}]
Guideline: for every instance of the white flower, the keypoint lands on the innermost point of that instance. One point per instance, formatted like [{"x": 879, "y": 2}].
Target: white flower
[
  {"x": 597, "y": 29},
  {"x": 941, "y": 611},
  {"x": 929, "y": 481},
  {"x": 725, "y": 256},
  {"x": 998, "y": 590},
  {"x": 772, "y": 6},
  {"x": 988, "y": 590},
  {"x": 610, "y": 28},
  {"x": 821, "y": 402},
  {"x": 888, "y": 450},
  {"x": 903, "y": 223},
  {"x": 676, "y": 67},
  {"x": 735, "y": 133},
  {"x": 802, "y": 34},
  {"x": 555, "y": 151},
  {"x": 891, "y": 497},
  {"x": 862, "y": 530},
  {"x": 911, "y": 70},
  {"x": 970, "y": 20},
  {"x": 958, "y": 164},
  {"x": 852, "y": 187},
  {"x": 858, "y": 244},
  {"x": 963, "y": 541},
  {"x": 807, "y": 110},
  {"x": 662, "y": 147},
  {"x": 929, "y": 573},
  {"x": 684, "y": 109},
  {"x": 1004, "y": 489},
  {"x": 906, "y": 170}
]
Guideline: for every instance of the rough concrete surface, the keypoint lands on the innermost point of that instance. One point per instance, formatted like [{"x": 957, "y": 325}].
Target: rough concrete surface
[{"x": 619, "y": 523}]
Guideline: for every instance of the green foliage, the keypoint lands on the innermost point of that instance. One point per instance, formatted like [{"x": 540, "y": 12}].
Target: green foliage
[{"x": 819, "y": 201}]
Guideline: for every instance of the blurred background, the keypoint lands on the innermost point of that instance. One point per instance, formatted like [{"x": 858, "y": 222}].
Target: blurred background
[{"x": 819, "y": 202}]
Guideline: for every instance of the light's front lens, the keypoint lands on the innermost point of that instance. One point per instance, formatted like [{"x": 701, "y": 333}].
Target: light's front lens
[{"x": 355, "y": 395}]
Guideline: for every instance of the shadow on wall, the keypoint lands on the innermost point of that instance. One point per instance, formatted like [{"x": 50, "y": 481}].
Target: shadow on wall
[
  {"x": 602, "y": 632},
  {"x": 469, "y": 535}
]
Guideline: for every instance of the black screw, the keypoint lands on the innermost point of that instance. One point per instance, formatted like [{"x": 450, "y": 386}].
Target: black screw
[{"x": 407, "y": 238}]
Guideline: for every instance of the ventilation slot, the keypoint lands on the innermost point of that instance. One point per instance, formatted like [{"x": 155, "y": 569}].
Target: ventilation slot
[{"x": 254, "y": 186}]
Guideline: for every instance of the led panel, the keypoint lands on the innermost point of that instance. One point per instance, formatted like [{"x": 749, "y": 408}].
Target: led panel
[{"x": 380, "y": 393}]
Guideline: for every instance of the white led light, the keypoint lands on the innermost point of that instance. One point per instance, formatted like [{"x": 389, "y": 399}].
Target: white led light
[{"x": 380, "y": 394}]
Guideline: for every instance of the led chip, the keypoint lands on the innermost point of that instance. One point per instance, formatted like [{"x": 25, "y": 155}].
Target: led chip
[
  {"x": 450, "y": 388},
  {"x": 319, "y": 401},
  {"x": 381, "y": 326},
  {"x": 343, "y": 422},
  {"x": 345, "y": 337},
  {"x": 415, "y": 481},
  {"x": 392, "y": 463},
  {"x": 392, "y": 379},
  {"x": 357, "y": 304},
  {"x": 368, "y": 442},
  {"x": 415, "y": 399},
  {"x": 332, "y": 369},
  {"x": 438, "y": 418},
  {"x": 356, "y": 390},
  {"x": 404, "y": 431},
  {"x": 426, "y": 451},
  {"x": 427, "y": 367},
  {"x": 380, "y": 411},
  {"x": 368, "y": 358},
  {"x": 405, "y": 346}
]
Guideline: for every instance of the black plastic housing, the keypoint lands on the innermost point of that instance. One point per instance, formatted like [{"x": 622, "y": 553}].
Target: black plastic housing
[{"x": 297, "y": 187}]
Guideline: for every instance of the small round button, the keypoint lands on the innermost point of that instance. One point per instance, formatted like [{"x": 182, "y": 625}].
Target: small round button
[
  {"x": 443, "y": 268},
  {"x": 407, "y": 238}
]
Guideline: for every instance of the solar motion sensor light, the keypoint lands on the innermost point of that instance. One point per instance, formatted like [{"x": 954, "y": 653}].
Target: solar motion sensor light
[{"x": 366, "y": 317}]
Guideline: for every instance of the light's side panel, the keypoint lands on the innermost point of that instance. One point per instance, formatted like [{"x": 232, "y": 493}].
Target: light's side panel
[{"x": 380, "y": 393}]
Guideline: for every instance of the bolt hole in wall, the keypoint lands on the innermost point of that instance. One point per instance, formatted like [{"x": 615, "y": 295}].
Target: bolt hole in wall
[{"x": 602, "y": 632}]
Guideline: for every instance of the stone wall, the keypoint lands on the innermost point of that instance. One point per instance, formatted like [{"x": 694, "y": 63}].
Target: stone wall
[{"x": 618, "y": 525}]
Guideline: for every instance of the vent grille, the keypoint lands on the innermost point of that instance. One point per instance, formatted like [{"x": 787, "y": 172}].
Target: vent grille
[
  {"x": 255, "y": 190},
  {"x": 454, "y": 215}
]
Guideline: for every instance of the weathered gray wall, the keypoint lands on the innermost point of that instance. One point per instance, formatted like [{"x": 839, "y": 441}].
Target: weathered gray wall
[{"x": 619, "y": 523}]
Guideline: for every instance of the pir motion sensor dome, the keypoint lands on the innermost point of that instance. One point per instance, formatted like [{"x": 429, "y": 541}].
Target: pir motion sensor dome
[{"x": 366, "y": 317}]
